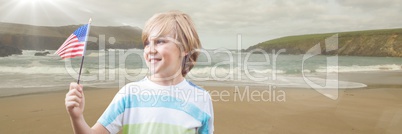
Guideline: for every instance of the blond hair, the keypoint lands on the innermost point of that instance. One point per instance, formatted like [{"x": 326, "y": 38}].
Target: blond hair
[{"x": 181, "y": 25}]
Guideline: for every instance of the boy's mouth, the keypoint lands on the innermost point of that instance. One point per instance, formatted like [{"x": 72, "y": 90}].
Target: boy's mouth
[{"x": 154, "y": 60}]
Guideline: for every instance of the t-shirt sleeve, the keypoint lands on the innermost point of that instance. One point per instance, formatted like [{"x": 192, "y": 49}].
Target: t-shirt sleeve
[
  {"x": 208, "y": 125},
  {"x": 112, "y": 117},
  {"x": 211, "y": 119}
]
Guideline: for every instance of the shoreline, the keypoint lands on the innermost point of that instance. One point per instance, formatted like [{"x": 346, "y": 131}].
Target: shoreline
[{"x": 373, "y": 109}]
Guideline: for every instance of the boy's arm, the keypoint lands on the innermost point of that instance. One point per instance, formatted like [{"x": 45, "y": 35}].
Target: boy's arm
[
  {"x": 211, "y": 119},
  {"x": 208, "y": 125},
  {"x": 75, "y": 102}
]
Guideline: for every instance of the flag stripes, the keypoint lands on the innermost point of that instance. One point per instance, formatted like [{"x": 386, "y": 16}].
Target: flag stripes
[{"x": 74, "y": 44}]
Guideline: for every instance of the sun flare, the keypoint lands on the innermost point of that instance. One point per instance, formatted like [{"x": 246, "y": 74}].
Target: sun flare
[
  {"x": 37, "y": 12},
  {"x": 33, "y": 1}
]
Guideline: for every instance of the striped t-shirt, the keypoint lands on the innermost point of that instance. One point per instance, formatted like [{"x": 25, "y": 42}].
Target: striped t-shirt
[{"x": 145, "y": 107}]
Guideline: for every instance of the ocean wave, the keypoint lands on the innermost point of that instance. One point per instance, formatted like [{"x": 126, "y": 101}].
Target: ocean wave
[
  {"x": 35, "y": 67},
  {"x": 267, "y": 71},
  {"x": 355, "y": 68},
  {"x": 33, "y": 70}
]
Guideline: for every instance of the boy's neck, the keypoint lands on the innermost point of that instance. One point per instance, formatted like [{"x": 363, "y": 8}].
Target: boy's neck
[{"x": 166, "y": 81}]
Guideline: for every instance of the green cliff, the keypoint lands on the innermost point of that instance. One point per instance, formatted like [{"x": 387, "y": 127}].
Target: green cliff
[
  {"x": 43, "y": 37},
  {"x": 385, "y": 42}
]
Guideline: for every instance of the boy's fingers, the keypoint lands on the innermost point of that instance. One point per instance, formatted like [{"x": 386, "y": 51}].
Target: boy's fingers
[
  {"x": 73, "y": 99},
  {"x": 74, "y": 85},
  {"x": 79, "y": 88},
  {"x": 74, "y": 92},
  {"x": 72, "y": 104}
]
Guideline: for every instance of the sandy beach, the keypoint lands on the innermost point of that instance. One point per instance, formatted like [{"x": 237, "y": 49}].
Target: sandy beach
[{"x": 376, "y": 109}]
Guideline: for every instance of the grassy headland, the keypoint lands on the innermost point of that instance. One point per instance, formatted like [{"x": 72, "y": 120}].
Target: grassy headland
[{"x": 384, "y": 42}]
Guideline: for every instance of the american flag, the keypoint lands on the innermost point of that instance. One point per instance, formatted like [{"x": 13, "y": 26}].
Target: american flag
[{"x": 75, "y": 44}]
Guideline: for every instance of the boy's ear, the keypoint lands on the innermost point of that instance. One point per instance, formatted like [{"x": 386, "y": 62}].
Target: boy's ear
[{"x": 184, "y": 53}]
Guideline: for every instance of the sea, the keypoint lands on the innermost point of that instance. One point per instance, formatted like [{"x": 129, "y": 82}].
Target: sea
[{"x": 26, "y": 73}]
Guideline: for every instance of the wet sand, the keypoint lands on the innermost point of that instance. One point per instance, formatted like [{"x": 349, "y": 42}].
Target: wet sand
[{"x": 376, "y": 109}]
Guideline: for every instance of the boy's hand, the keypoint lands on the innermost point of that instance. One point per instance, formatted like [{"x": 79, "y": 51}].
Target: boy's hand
[{"x": 75, "y": 100}]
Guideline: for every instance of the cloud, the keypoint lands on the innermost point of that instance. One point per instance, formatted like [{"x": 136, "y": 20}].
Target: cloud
[
  {"x": 218, "y": 22},
  {"x": 369, "y": 5}
]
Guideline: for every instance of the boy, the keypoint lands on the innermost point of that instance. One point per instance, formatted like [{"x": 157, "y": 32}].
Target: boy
[{"x": 164, "y": 101}]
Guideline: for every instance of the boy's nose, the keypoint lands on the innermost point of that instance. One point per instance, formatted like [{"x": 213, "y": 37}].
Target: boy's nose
[{"x": 152, "y": 49}]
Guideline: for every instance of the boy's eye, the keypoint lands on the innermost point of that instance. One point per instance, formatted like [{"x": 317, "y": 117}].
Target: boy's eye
[
  {"x": 146, "y": 43},
  {"x": 160, "y": 41}
]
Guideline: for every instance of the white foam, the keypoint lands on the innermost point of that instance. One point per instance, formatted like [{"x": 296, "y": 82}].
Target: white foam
[
  {"x": 355, "y": 68},
  {"x": 221, "y": 71},
  {"x": 211, "y": 71},
  {"x": 267, "y": 71},
  {"x": 34, "y": 70}
]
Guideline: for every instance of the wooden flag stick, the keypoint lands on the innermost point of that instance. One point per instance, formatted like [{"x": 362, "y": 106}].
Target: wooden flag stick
[{"x": 85, "y": 47}]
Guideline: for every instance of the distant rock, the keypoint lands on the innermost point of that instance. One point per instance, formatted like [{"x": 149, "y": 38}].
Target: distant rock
[
  {"x": 9, "y": 50},
  {"x": 258, "y": 52},
  {"x": 42, "y": 53}
]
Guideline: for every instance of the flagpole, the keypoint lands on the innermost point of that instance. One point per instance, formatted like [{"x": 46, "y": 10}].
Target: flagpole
[{"x": 85, "y": 48}]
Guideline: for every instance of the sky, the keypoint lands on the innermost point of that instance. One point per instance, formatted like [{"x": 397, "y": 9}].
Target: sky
[{"x": 218, "y": 22}]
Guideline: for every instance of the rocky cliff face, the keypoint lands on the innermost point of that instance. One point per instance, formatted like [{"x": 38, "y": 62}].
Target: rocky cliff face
[
  {"x": 8, "y": 50},
  {"x": 359, "y": 43},
  {"x": 41, "y": 37}
]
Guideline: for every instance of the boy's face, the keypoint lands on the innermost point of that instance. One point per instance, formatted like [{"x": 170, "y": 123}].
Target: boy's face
[{"x": 163, "y": 56}]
